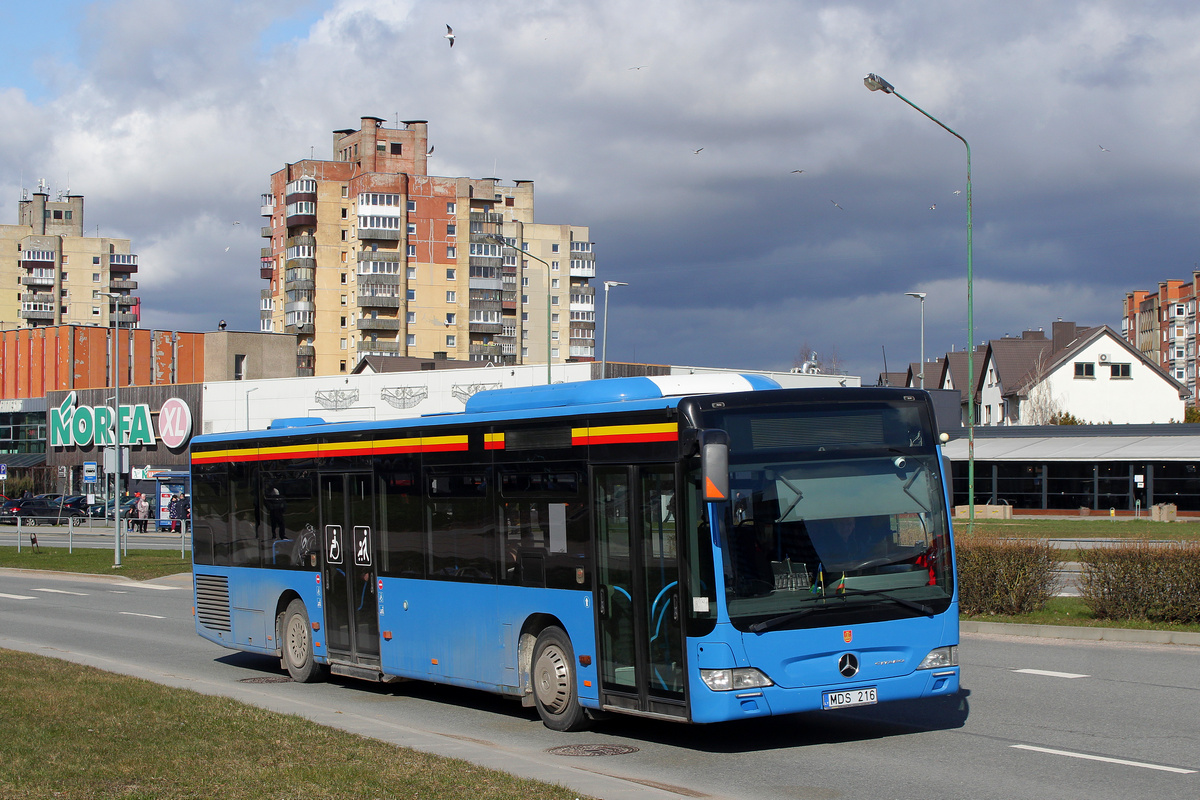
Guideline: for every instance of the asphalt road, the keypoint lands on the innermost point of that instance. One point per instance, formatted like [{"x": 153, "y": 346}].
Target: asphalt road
[{"x": 1037, "y": 718}]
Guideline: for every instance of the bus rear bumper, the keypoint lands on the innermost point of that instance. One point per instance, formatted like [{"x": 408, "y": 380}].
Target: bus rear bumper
[{"x": 710, "y": 706}]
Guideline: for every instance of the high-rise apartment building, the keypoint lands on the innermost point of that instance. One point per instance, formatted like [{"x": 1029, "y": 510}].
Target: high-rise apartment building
[
  {"x": 1162, "y": 325},
  {"x": 371, "y": 255},
  {"x": 51, "y": 274}
]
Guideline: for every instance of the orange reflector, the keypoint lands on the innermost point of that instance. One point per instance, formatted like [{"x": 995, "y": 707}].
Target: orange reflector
[
  {"x": 387, "y": 635},
  {"x": 316, "y": 644},
  {"x": 585, "y": 661},
  {"x": 316, "y": 626},
  {"x": 587, "y": 683},
  {"x": 711, "y": 493},
  {"x": 433, "y": 661}
]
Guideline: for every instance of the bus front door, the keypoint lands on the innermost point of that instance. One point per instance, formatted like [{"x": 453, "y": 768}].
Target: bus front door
[
  {"x": 349, "y": 571},
  {"x": 641, "y": 632}
]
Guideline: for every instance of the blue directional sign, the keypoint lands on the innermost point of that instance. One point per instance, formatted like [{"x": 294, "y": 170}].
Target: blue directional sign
[
  {"x": 3, "y": 472},
  {"x": 89, "y": 472}
]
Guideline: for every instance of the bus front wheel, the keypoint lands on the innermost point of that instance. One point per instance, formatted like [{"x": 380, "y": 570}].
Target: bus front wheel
[
  {"x": 297, "y": 644},
  {"x": 553, "y": 677}
]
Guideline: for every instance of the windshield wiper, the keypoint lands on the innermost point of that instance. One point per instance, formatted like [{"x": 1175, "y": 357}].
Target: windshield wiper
[{"x": 783, "y": 619}]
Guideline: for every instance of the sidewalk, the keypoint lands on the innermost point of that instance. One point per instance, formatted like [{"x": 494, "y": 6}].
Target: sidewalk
[{"x": 1080, "y": 634}]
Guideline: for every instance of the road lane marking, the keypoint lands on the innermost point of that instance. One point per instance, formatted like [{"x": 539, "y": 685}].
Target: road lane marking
[
  {"x": 151, "y": 586},
  {"x": 132, "y": 614},
  {"x": 61, "y": 591},
  {"x": 1106, "y": 759},
  {"x": 16, "y": 596},
  {"x": 1047, "y": 673}
]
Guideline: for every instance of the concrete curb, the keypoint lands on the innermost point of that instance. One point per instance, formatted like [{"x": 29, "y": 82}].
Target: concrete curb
[{"x": 1082, "y": 634}]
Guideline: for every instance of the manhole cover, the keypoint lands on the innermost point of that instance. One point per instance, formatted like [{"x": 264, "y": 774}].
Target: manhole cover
[
  {"x": 268, "y": 679},
  {"x": 592, "y": 750}
]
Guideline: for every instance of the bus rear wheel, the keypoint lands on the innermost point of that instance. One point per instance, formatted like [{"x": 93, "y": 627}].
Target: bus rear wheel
[
  {"x": 297, "y": 644},
  {"x": 553, "y": 676}
]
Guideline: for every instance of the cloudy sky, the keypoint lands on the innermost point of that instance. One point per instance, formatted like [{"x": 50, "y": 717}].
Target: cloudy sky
[{"x": 169, "y": 117}]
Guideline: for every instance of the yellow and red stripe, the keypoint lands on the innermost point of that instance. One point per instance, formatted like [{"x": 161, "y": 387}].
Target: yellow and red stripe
[
  {"x": 493, "y": 441},
  {"x": 422, "y": 444},
  {"x": 626, "y": 434}
]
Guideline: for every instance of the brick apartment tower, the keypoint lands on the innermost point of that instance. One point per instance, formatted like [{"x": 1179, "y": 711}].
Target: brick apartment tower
[
  {"x": 1163, "y": 326},
  {"x": 371, "y": 255},
  {"x": 54, "y": 274}
]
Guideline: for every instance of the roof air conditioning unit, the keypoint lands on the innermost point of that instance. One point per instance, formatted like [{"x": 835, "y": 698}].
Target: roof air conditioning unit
[{"x": 1103, "y": 357}]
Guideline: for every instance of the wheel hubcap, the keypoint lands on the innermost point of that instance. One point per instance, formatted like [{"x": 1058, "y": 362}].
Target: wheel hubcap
[
  {"x": 297, "y": 641},
  {"x": 552, "y": 680}
]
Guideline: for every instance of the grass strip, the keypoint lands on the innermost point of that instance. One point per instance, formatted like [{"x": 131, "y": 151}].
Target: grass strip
[
  {"x": 1073, "y": 611},
  {"x": 138, "y": 565},
  {"x": 76, "y": 732}
]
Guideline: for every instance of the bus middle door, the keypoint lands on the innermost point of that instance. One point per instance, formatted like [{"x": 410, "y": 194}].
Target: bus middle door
[
  {"x": 641, "y": 630},
  {"x": 348, "y": 568}
]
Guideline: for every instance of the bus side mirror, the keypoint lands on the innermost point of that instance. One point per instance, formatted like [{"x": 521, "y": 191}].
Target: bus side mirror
[{"x": 714, "y": 465}]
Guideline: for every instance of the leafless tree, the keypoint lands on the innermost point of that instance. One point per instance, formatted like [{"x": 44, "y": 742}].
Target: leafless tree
[
  {"x": 1040, "y": 406},
  {"x": 827, "y": 361}
]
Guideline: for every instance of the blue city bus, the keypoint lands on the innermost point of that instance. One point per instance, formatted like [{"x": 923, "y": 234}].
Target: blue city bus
[{"x": 695, "y": 548}]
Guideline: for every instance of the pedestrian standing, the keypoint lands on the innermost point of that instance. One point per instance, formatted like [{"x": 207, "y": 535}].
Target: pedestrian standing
[
  {"x": 143, "y": 512},
  {"x": 173, "y": 509}
]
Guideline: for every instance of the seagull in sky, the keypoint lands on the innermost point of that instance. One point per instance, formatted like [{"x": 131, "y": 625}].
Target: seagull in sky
[
  {"x": 697, "y": 152},
  {"x": 1103, "y": 148},
  {"x": 643, "y": 66},
  {"x": 797, "y": 171},
  {"x": 836, "y": 205},
  {"x": 226, "y": 249},
  {"x": 958, "y": 191},
  {"x": 429, "y": 152},
  {"x": 450, "y": 35},
  {"x": 933, "y": 207},
  {"x": 237, "y": 222}
]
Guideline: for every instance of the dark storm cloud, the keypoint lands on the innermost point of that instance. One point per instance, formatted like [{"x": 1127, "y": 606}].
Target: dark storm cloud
[{"x": 179, "y": 113}]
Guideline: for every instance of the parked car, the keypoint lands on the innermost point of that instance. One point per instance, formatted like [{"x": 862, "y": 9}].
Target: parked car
[
  {"x": 36, "y": 512},
  {"x": 79, "y": 502},
  {"x": 105, "y": 510}
]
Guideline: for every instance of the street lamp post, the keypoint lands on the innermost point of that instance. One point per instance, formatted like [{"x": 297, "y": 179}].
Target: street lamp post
[
  {"x": 877, "y": 84},
  {"x": 116, "y": 369},
  {"x": 921, "y": 296},
  {"x": 549, "y": 336},
  {"x": 604, "y": 341}
]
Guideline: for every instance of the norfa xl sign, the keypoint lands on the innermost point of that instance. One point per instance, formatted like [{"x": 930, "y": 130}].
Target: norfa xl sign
[{"x": 80, "y": 426}]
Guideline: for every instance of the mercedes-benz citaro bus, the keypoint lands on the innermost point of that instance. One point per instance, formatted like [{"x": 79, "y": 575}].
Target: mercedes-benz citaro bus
[{"x": 693, "y": 548}]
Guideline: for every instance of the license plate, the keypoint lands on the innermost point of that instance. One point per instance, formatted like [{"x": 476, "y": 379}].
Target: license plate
[{"x": 851, "y": 697}]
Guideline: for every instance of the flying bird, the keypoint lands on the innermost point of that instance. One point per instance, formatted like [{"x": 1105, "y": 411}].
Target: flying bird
[
  {"x": 836, "y": 205},
  {"x": 933, "y": 207},
  {"x": 226, "y": 249},
  {"x": 958, "y": 191},
  {"x": 697, "y": 152},
  {"x": 429, "y": 152},
  {"x": 797, "y": 171},
  {"x": 237, "y": 222},
  {"x": 450, "y": 35},
  {"x": 1105, "y": 149},
  {"x": 643, "y": 66}
]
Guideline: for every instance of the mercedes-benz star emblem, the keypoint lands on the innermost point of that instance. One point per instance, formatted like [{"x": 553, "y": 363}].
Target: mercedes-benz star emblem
[{"x": 848, "y": 665}]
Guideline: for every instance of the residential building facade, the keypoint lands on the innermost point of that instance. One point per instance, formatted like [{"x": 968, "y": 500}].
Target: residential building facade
[
  {"x": 1091, "y": 374},
  {"x": 55, "y": 275},
  {"x": 368, "y": 254},
  {"x": 1162, "y": 325}
]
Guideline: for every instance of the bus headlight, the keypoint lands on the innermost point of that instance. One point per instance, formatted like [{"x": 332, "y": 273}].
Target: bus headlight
[
  {"x": 728, "y": 680},
  {"x": 941, "y": 657}
]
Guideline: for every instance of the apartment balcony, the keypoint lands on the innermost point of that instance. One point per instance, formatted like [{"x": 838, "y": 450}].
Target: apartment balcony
[
  {"x": 490, "y": 218},
  {"x": 490, "y": 350},
  {"x": 267, "y": 207},
  {"x": 377, "y": 301},
  {"x": 485, "y": 327},
  {"x": 122, "y": 284},
  {"x": 486, "y": 283},
  {"x": 300, "y": 329},
  {"x": 378, "y": 279},
  {"x": 46, "y": 316},
  {"x": 583, "y": 269},
  {"x": 265, "y": 231},
  {"x": 378, "y": 324},
  {"x": 306, "y": 350},
  {"x": 127, "y": 319},
  {"x": 382, "y": 347},
  {"x": 36, "y": 280},
  {"x": 381, "y": 234},
  {"x": 300, "y": 285},
  {"x": 126, "y": 300},
  {"x": 38, "y": 297},
  {"x": 301, "y": 240},
  {"x": 300, "y": 220},
  {"x": 300, "y": 263},
  {"x": 266, "y": 252},
  {"x": 381, "y": 255}
]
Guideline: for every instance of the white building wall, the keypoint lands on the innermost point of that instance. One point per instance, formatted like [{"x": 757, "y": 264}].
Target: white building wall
[
  {"x": 1144, "y": 397},
  {"x": 252, "y": 405}
]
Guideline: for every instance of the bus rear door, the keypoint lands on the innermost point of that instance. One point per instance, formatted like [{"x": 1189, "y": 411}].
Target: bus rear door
[{"x": 349, "y": 571}]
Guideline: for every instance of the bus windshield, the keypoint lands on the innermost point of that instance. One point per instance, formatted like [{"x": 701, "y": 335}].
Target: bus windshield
[{"x": 841, "y": 532}]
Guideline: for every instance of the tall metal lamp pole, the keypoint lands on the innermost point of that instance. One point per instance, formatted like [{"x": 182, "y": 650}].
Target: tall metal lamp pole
[
  {"x": 878, "y": 84},
  {"x": 921, "y": 296},
  {"x": 604, "y": 340},
  {"x": 549, "y": 336},
  {"x": 116, "y": 316}
]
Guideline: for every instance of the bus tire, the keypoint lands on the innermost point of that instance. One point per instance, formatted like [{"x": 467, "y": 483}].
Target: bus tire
[
  {"x": 552, "y": 674},
  {"x": 297, "y": 644}
]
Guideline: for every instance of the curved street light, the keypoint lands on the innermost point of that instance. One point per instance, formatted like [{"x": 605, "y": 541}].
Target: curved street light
[
  {"x": 500, "y": 240},
  {"x": 604, "y": 341},
  {"x": 878, "y": 84},
  {"x": 921, "y": 296}
]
